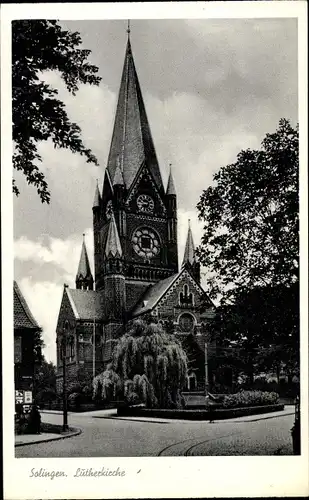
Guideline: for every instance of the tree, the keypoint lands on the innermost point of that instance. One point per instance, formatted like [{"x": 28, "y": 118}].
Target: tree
[
  {"x": 44, "y": 382},
  {"x": 250, "y": 247},
  {"x": 39, "y": 46},
  {"x": 250, "y": 218},
  {"x": 260, "y": 331},
  {"x": 148, "y": 366},
  {"x": 82, "y": 384}
]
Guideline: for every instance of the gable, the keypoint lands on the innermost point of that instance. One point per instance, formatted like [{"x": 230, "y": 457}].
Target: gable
[
  {"x": 185, "y": 291},
  {"x": 66, "y": 311},
  {"x": 166, "y": 295},
  {"x": 145, "y": 183}
]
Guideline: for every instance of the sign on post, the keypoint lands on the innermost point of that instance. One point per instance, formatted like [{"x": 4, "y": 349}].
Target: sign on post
[
  {"x": 19, "y": 397},
  {"x": 28, "y": 397}
]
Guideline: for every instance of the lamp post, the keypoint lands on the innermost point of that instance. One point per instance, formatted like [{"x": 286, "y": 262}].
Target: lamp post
[
  {"x": 93, "y": 349},
  {"x": 206, "y": 377},
  {"x": 64, "y": 391}
]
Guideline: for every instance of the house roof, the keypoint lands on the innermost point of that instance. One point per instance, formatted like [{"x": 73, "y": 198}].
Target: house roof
[
  {"x": 153, "y": 294},
  {"x": 86, "y": 304},
  {"x": 131, "y": 134},
  {"x": 23, "y": 317}
]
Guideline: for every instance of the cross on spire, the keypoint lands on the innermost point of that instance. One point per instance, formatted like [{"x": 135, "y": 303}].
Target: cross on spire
[{"x": 128, "y": 28}]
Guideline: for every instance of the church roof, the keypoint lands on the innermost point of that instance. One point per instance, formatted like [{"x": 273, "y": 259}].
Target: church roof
[
  {"x": 153, "y": 294},
  {"x": 131, "y": 134},
  {"x": 113, "y": 245},
  {"x": 170, "y": 185},
  {"x": 23, "y": 317},
  {"x": 84, "y": 270},
  {"x": 189, "y": 248},
  {"x": 86, "y": 304}
]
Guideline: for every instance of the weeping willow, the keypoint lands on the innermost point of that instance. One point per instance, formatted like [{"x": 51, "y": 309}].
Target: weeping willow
[{"x": 148, "y": 366}]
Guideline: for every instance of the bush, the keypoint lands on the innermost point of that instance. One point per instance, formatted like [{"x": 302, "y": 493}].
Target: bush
[
  {"x": 74, "y": 400},
  {"x": 250, "y": 398},
  {"x": 284, "y": 389}
]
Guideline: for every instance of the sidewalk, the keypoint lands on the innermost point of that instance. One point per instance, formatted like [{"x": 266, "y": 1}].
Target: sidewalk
[
  {"x": 44, "y": 437},
  {"x": 92, "y": 413}
]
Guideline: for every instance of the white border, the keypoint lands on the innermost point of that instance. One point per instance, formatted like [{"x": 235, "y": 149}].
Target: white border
[{"x": 163, "y": 477}]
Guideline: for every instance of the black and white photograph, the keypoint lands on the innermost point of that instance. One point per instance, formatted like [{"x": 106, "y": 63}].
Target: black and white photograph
[{"x": 156, "y": 183}]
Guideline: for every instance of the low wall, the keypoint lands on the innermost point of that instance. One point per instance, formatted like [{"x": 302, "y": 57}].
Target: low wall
[{"x": 219, "y": 414}]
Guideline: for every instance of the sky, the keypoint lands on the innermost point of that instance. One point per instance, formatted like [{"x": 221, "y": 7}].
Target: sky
[{"x": 211, "y": 88}]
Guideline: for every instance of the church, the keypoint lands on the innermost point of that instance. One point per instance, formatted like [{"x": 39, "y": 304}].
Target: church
[{"x": 136, "y": 269}]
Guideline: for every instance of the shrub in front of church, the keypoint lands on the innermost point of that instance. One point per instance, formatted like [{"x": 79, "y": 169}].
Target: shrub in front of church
[
  {"x": 74, "y": 400},
  {"x": 148, "y": 367},
  {"x": 250, "y": 398}
]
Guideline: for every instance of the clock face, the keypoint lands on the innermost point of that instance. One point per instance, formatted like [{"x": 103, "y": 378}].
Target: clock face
[
  {"x": 145, "y": 243},
  {"x": 109, "y": 208},
  {"x": 145, "y": 203}
]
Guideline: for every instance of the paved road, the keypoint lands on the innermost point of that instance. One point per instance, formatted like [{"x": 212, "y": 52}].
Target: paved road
[{"x": 105, "y": 435}]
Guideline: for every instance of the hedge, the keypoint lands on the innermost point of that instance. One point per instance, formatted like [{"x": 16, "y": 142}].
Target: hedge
[
  {"x": 250, "y": 398},
  {"x": 219, "y": 414}
]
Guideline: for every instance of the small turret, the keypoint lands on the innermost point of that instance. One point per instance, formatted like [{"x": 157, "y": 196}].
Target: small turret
[
  {"x": 170, "y": 190},
  {"x": 113, "y": 248},
  {"x": 171, "y": 206},
  {"x": 119, "y": 196},
  {"x": 84, "y": 279},
  {"x": 189, "y": 259},
  {"x": 114, "y": 280},
  {"x": 97, "y": 197}
]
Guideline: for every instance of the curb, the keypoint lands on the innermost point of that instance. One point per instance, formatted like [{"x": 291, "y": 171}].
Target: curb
[{"x": 75, "y": 432}]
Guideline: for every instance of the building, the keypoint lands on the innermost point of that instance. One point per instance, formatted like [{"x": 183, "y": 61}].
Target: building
[
  {"x": 136, "y": 269},
  {"x": 26, "y": 331}
]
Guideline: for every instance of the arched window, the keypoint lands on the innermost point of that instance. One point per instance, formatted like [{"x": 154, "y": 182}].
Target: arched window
[
  {"x": 186, "y": 322},
  {"x": 186, "y": 298},
  {"x": 192, "y": 382}
]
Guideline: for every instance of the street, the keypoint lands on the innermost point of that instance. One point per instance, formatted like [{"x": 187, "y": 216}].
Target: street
[{"x": 106, "y": 435}]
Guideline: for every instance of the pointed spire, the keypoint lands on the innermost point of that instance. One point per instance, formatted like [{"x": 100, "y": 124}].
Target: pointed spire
[
  {"x": 84, "y": 271},
  {"x": 189, "y": 248},
  {"x": 113, "y": 245},
  {"x": 118, "y": 177},
  {"x": 131, "y": 137},
  {"x": 97, "y": 197},
  {"x": 170, "y": 185}
]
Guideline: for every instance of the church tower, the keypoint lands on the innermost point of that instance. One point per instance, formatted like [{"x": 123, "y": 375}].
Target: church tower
[
  {"x": 136, "y": 270},
  {"x": 144, "y": 212}
]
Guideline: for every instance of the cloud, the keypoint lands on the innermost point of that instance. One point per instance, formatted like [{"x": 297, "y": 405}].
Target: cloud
[
  {"x": 48, "y": 252},
  {"x": 44, "y": 300}
]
